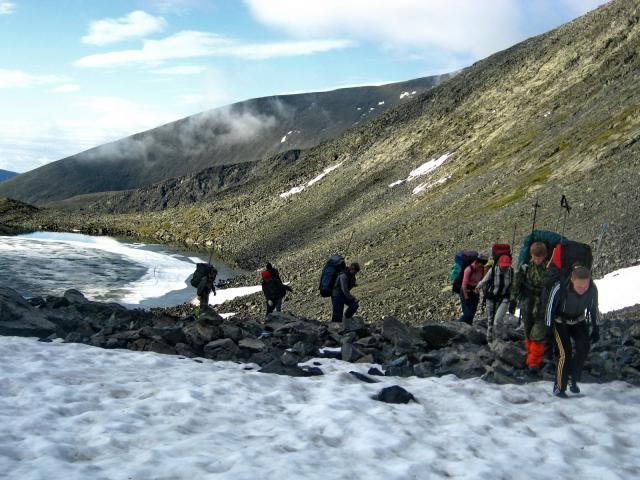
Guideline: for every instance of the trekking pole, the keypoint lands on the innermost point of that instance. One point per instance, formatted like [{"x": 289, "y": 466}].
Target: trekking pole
[
  {"x": 603, "y": 232},
  {"x": 535, "y": 213},
  {"x": 210, "y": 256},
  {"x": 564, "y": 204},
  {"x": 513, "y": 238}
]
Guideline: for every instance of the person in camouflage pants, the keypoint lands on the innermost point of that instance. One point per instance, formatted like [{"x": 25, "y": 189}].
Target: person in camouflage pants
[{"x": 527, "y": 292}]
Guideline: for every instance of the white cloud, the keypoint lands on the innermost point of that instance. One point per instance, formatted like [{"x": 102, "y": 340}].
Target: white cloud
[
  {"x": 461, "y": 27},
  {"x": 181, "y": 70},
  {"x": 29, "y": 143},
  {"x": 66, "y": 88},
  {"x": 7, "y": 8},
  {"x": 192, "y": 44},
  {"x": 20, "y": 79},
  {"x": 112, "y": 30}
]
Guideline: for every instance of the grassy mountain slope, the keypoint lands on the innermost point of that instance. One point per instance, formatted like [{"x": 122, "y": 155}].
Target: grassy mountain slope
[
  {"x": 242, "y": 132},
  {"x": 556, "y": 114}
]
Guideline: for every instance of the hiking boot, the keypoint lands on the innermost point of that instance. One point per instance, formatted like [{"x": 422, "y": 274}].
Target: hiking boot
[
  {"x": 573, "y": 387},
  {"x": 559, "y": 393}
]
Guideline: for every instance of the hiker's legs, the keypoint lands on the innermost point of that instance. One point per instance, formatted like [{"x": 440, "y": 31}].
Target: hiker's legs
[
  {"x": 562, "y": 340},
  {"x": 580, "y": 334},
  {"x": 352, "y": 307},
  {"x": 338, "y": 308},
  {"x": 491, "y": 314},
  {"x": 536, "y": 348},
  {"x": 271, "y": 306},
  {"x": 204, "y": 300},
  {"x": 498, "y": 318},
  {"x": 278, "y": 305},
  {"x": 469, "y": 307}
]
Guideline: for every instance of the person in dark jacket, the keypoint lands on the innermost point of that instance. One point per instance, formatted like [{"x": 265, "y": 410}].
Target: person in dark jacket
[
  {"x": 571, "y": 303},
  {"x": 274, "y": 291},
  {"x": 205, "y": 287},
  {"x": 342, "y": 296},
  {"x": 273, "y": 271}
]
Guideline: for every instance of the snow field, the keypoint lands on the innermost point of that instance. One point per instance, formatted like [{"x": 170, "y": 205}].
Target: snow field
[{"x": 76, "y": 412}]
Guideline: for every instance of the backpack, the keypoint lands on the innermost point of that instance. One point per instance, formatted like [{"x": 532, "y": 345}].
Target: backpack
[
  {"x": 462, "y": 260},
  {"x": 332, "y": 268},
  {"x": 202, "y": 270},
  {"x": 500, "y": 249},
  {"x": 550, "y": 239},
  {"x": 565, "y": 256}
]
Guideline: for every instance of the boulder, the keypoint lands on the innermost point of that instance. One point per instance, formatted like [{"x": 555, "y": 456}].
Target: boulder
[
  {"x": 510, "y": 353},
  {"x": 252, "y": 345},
  {"x": 403, "y": 337},
  {"x": 394, "y": 394},
  {"x": 223, "y": 349},
  {"x": 150, "y": 345},
  {"x": 18, "y": 317},
  {"x": 75, "y": 296},
  {"x": 350, "y": 352},
  {"x": 278, "y": 368}
]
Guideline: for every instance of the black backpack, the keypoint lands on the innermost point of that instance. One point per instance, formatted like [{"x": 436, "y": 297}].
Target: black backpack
[
  {"x": 335, "y": 264},
  {"x": 202, "y": 270}
]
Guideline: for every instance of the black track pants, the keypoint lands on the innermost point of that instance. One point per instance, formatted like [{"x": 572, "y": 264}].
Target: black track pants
[{"x": 569, "y": 362}]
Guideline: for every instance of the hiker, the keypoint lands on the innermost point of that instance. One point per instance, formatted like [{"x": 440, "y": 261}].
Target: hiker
[
  {"x": 469, "y": 298},
  {"x": 570, "y": 303},
  {"x": 273, "y": 272},
  {"x": 497, "y": 287},
  {"x": 527, "y": 291},
  {"x": 206, "y": 286},
  {"x": 274, "y": 291},
  {"x": 342, "y": 296}
]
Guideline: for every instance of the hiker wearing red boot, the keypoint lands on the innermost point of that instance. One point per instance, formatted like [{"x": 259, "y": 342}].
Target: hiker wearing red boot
[{"x": 527, "y": 292}]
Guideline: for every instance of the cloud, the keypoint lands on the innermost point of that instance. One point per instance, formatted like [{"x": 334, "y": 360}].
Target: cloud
[
  {"x": 181, "y": 70},
  {"x": 29, "y": 143},
  {"x": 20, "y": 79},
  {"x": 460, "y": 27},
  {"x": 192, "y": 44},
  {"x": 66, "y": 88},
  {"x": 112, "y": 30},
  {"x": 7, "y": 8}
]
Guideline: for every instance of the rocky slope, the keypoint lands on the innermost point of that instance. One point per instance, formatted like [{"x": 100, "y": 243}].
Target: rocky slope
[
  {"x": 280, "y": 342},
  {"x": 243, "y": 132},
  {"x": 557, "y": 114}
]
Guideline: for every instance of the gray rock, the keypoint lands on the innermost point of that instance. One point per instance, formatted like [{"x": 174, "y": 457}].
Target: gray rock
[
  {"x": 75, "y": 296},
  {"x": 395, "y": 394},
  {"x": 350, "y": 352},
  {"x": 150, "y": 345},
  {"x": 403, "y": 337},
  {"x": 253, "y": 345},
  {"x": 437, "y": 335},
  {"x": 510, "y": 354},
  {"x": 223, "y": 349},
  {"x": 289, "y": 359},
  {"x": 19, "y": 318}
]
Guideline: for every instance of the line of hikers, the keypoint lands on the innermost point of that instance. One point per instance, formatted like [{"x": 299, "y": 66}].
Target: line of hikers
[{"x": 552, "y": 286}]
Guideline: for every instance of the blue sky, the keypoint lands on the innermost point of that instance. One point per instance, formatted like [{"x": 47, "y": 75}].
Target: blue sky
[{"x": 78, "y": 73}]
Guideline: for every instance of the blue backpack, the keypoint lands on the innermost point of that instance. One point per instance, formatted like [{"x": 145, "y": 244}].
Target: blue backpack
[
  {"x": 462, "y": 260},
  {"x": 335, "y": 264}
]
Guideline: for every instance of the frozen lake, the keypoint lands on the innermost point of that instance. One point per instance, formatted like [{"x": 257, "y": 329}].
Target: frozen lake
[{"x": 103, "y": 268}]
